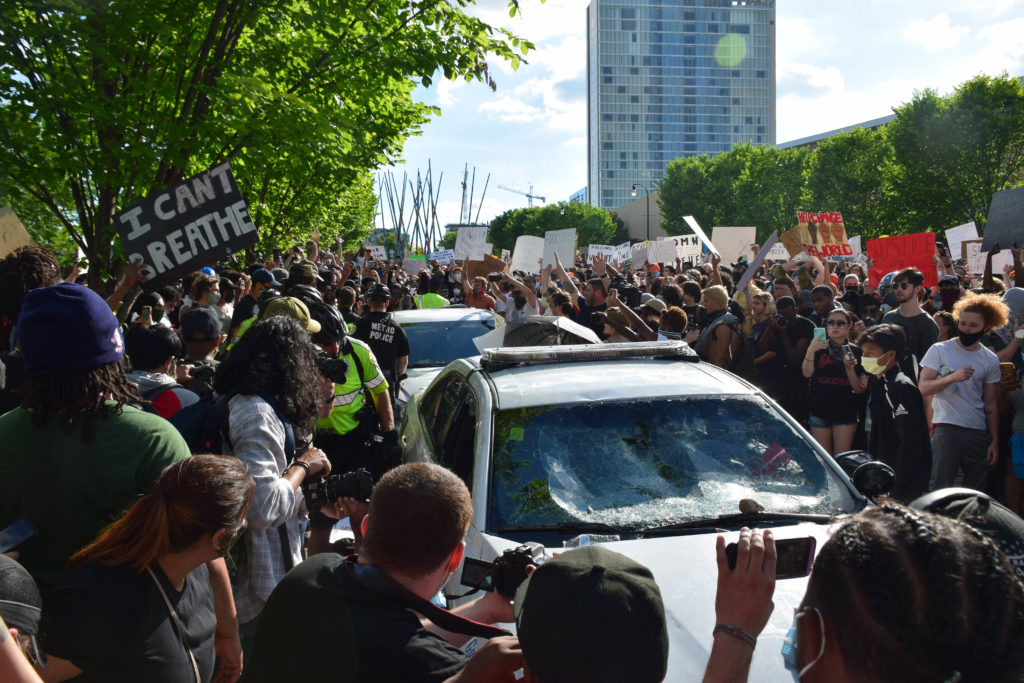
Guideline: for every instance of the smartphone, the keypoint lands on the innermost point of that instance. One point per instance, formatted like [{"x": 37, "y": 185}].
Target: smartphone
[
  {"x": 477, "y": 574},
  {"x": 16, "y": 534},
  {"x": 819, "y": 334},
  {"x": 848, "y": 353},
  {"x": 147, "y": 313},
  {"x": 494, "y": 277},
  {"x": 795, "y": 556},
  {"x": 277, "y": 254}
]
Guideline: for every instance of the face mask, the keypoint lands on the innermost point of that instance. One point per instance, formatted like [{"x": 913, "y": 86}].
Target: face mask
[
  {"x": 872, "y": 366},
  {"x": 970, "y": 339},
  {"x": 157, "y": 315},
  {"x": 479, "y": 291},
  {"x": 212, "y": 299},
  {"x": 458, "y": 277},
  {"x": 789, "y": 647}
]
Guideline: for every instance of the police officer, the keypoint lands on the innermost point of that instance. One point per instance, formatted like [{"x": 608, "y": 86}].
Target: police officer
[
  {"x": 386, "y": 338},
  {"x": 360, "y": 430}
]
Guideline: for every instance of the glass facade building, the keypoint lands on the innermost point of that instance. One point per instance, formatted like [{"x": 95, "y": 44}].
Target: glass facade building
[{"x": 673, "y": 78}]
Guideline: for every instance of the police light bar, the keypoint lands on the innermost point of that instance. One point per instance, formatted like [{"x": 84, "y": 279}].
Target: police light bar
[{"x": 527, "y": 355}]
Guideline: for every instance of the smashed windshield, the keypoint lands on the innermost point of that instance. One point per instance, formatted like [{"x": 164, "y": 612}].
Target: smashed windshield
[
  {"x": 649, "y": 462},
  {"x": 435, "y": 344}
]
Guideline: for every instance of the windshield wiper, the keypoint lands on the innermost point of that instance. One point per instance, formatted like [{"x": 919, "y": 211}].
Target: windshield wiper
[
  {"x": 571, "y": 528},
  {"x": 740, "y": 518}
]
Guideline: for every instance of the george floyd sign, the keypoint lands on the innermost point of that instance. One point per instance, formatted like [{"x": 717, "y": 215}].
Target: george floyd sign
[{"x": 181, "y": 228}]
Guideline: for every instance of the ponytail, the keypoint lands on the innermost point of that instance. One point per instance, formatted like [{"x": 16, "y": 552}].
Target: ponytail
[{"x": 134, "y": 541}]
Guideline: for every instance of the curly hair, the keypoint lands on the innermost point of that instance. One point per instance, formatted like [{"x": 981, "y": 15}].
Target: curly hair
[
  {"x": 912, "y": 596},
  {"x": 21, "y": 271},
  {"x": 989, "y": 306},
  {"x": 275, "y": 356},
  {"x": 201, "y": 284},
  {"x": 80, "y": 396}
]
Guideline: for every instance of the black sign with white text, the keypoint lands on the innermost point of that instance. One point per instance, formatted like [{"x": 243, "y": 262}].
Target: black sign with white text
[
  {"x": 1005, "y": 225},
  {"x": 182, "y": 228}
]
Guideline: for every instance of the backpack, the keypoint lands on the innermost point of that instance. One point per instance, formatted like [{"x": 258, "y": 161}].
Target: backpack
[
  {"x": 204, "y": 425},
  {"x": 151, "y": 395}
]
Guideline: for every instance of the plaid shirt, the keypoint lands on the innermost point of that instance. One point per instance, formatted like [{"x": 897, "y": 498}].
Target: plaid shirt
[{"x": 257, "y": 438}]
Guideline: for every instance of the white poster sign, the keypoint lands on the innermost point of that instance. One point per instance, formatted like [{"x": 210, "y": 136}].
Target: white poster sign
[
  {"x": 471, "y": 243},
  {"x": 506, "y": 254},
  {"x": 732, "y": 242},
  {"x": 442, "y": 257},
  {"x": 662, "y": 251},
  {"x": 623, "y": 253},
  {"x": 778, "y": 252},
  {"x": 528, "y": 253},
  {"x": 956, "y": 236},
  {"x": 638, "y": 252},
  {"x": 377, "y": 252},
  {"x": 606, "y": 250},
  {"x": 687, "y": 247},
  {"x": 412, "y": 265},
  {"x": 854, "y": 244},
  {"x": 692, "y": 222},
  {"x": 563, "y": 243},
  {"x": 976, "y": 258}
]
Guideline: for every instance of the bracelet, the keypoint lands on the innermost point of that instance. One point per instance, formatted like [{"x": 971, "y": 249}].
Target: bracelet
[
  {"x": 746, "y": 636},
  {"x": 297, "y": 463}
]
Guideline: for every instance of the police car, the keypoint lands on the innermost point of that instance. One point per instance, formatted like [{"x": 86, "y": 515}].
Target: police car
[{"x": 639, "y": 446}]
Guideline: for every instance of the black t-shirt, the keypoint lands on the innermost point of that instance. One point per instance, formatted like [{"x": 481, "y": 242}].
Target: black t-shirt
[
  {"x": 832, "y": 398},
  {"x": 244, "y": 309},
  {"x": 385, "y": 337},
  {"x": 922, "y": 332},
  {"x": 322, "y": 624},
  {"x": 349, "y": 316},
  {"x": 797, "y": 328},
  {"x": 113, "y": 625},
  {"x": 584, "y": 317}
]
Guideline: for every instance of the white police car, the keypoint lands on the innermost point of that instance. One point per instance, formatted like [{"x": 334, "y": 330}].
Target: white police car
[{"x": 640, "y": 446}]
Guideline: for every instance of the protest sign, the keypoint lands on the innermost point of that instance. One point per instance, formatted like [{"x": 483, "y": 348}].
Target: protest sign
[
  {"x": 734, "y": 242},
  {"x": 956, "y": 236},
  {"x": 12, "y": 233},
  {"x": 483, "y": 267},
  {"x": 762, "y": 254},
  {"x": 181, "y": 228},
  {"x": 855, "y": 244},
  {"x": 605, "y": 250},
  {"x": 623, "y": 253},
  {"x": 687, "y": 247},
  {"x": 471, "y": 241},
  {"x": 1005, "y": 224},
  {"x": 889, "y": 254},
  {"x": 563, "y": 243},
  {"x": 792, "y": 241},
  {"x": 823, "y": 235},
  {"x": 970, "y": 251},
  {"x": 412, "y": 265},
  {"x": 528, "y": 253},
  {"x": 506, "y": 254},
  {"x": 638, "y": 252},
  {"x": 692, "y": 222},
  {"x": 778, "y": 252},
  {"x": 442, "y": 257},
  {"x": 662, "y": 251},
  {"x": 377, "y": 252}
]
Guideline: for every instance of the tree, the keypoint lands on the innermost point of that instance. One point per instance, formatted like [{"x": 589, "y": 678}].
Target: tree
[
  {"x": 951, "y": 154},
  {"x": 104, "y": 102},
  {"x": 593, "y": 225}
]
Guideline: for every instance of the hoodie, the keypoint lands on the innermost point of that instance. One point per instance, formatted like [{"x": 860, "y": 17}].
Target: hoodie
[{"x": 168, "y": 401}]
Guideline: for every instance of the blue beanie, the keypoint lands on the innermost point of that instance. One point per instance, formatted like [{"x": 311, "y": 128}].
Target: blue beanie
[{"x": 67, "y": 327}]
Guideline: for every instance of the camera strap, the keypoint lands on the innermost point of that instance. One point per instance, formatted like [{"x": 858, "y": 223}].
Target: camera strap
[{"x": 380, "y": 584}]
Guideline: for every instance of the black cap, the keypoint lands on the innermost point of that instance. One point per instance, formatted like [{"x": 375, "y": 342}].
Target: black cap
[
  {"x": 200, "y": 324},
  {"x": 265, "y": 276},
  {"x": 21, "y": 604}
]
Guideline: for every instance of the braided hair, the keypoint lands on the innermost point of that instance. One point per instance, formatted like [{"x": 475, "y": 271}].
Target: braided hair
[
  {"x": 21, "y": 271},
  {"x": 918, "y": 597}
]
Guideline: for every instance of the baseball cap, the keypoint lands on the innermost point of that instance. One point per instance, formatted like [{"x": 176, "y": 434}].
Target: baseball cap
[
  {"x": 293, "y": 308},
  {"x": 265, "y": 276},
  {"x": 950, "y": 278},
  {"x": 66, "y": 328},
  {"x": 591, "y": 614},
  {"x": 280, "y": 274},
  {"x": 300, "y": 272},
  {"x": 21, "y": 604},
  {"x": 652, "y": 302},
  {"x": 200, "y": 324}
]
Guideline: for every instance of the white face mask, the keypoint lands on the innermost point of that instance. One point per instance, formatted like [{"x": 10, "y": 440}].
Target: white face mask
[{"x": 458, "y": 277}]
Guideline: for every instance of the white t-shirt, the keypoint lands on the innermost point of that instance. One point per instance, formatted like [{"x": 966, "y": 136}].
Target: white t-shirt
[
  {"x": 518, "y": 316},
  {"x": 962, "y": 403}
]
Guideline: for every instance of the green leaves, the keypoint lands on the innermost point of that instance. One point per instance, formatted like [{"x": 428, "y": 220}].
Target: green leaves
[{"x": 593, "y": 225}]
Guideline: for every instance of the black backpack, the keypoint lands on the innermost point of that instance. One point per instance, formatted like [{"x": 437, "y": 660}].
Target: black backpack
[{"x": 204, "y": 425}]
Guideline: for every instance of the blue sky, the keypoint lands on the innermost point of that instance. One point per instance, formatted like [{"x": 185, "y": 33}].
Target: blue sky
[{"x": 837, "y": 64}]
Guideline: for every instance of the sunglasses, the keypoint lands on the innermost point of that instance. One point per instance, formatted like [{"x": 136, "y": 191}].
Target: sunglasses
[
  {"x": 904, "y": 285},
  {"x": 836, "y": 323}
]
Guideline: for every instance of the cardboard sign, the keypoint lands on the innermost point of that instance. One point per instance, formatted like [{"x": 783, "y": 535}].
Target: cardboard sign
[
  {"x": 563, "y": 243},
  {"x": 792, "y": 242},
  {"x": 606, "y": 250},
  {"x": 12, "y": 233},
  {"x": 778, "y": 252},
  {"x": 412, "y": 265},
  {"x": 623, "y": 253},
  {"x": 692, "y": 222},
  {"x": 890, "y": 254},
  {"x": 687, "y": 247},
  {"x": 956, "y": 236},
  {"x": 662, "y": 251},
  {"x": 184, "y": 227},
  {"x": 471, "y": 242},
  {"x": 377, "y": 252},
  {"x": 762, "y": 254},
  {"x": 970, "y": 251},
  {"x": 1005, "y": 224},
  {"x": 483, "y": 267},
  {"x": 442, "y": 257},
  {"x": 528, "y": 253},
  {"x": 734, "y": 242},
  {"x": 638, "y": 252},
  {"x": 823, "y": 235}
]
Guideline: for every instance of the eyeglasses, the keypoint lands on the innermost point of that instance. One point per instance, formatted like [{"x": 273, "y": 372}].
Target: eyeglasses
[
  {"x": 904, "y": 285},
  {"x": 836, "y": 323}
]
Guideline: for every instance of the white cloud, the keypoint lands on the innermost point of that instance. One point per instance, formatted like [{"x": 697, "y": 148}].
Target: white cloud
[
  {"x": 567, "y": 59},
  {"x": 794, "y": 36},
  {"x": 577, "y": 141},
  {"x": 446, "y": 91},
  {"x": 537, "y": 21},
  {"x": 1005, "y": 50},
  {"x": 937, "y": 33},
  {"x": 512, "y": 109}
]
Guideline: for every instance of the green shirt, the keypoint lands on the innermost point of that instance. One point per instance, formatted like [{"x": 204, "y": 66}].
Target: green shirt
[
  {"x": 348, "y": 397},
  {"x": 70, "y": 490}
]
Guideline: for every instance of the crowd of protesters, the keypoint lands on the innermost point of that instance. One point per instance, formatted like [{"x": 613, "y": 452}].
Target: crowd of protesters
[{"x": 159, "y": 557}]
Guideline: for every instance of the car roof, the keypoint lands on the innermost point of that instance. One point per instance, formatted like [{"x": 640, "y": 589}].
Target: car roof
[
  {"x": 444, "y": 314},
  {"x": 608, "y": 380}
]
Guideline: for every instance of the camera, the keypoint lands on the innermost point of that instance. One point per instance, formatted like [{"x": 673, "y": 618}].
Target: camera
[
  {"x": 628, "y": 294},
  {"x": 333, "y": 369},
  {"x": 320, "y": 491},
  {"x": 506, "y": 572},
  {"x": 494, "y": 277}
]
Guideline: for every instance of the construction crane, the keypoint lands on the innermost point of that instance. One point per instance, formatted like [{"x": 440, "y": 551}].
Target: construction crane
[{"x": 530, "y": 196}]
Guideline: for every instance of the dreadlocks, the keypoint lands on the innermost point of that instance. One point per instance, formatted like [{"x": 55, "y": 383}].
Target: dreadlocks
[{"x": 21, "y": 271}]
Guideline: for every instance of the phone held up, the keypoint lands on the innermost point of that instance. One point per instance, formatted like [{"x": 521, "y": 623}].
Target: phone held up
[{"x": 795, "y": 556}]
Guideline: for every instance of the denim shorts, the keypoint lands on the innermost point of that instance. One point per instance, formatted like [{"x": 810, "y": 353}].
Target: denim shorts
[{"x": 822, "y": 423}]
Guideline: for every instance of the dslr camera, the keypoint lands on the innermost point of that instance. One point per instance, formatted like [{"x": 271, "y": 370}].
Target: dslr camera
[
  {"x": 334, "y": 369},
  {"x": 506, "y": 572},
  {"x": 319, "y": 491},
  {"x": 629, "y": 294}
]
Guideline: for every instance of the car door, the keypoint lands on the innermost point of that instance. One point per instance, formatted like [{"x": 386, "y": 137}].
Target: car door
[{"x": 451, "y": 426}]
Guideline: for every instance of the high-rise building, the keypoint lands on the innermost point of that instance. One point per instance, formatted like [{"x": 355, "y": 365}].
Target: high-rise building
[{"x": 673, "y": 78}]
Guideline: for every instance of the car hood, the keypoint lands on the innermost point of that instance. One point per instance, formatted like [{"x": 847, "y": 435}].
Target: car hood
[
  {"x": 416, "y": 379},
  {"x": 687, "y": 574}
]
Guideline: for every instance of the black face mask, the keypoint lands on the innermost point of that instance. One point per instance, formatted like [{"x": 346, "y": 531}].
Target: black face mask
[
  {"x": 157, "y": 314},
  {"x": 970, "y": 339}
]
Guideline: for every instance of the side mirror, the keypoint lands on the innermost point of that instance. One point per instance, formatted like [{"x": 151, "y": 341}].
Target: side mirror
[{"x": 870, "y": 477}]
